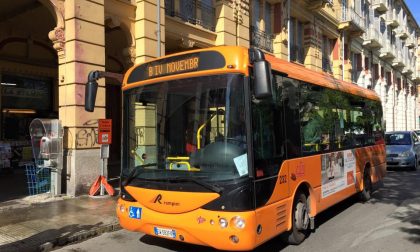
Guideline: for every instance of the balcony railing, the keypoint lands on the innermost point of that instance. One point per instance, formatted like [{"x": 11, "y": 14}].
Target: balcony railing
[
  {"x": 192, "y": 11},
  {"x": 261, "y": 39},
  {"x": 318, "y": 4},
  {"x": 380, "y": 5},
  {"x": 297, "y": 54},
  {"x": 351, "y": 16}
]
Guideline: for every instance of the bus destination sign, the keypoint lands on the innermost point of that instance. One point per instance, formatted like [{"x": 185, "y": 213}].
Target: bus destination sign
[
  {"x": 183, "y": 65},
  {"x": 191, "y": 62}
]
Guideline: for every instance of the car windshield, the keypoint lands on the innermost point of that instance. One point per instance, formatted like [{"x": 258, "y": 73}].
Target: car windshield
[
  {"x": 398, "y": 139},
  {"x": 188, "y": 128}
]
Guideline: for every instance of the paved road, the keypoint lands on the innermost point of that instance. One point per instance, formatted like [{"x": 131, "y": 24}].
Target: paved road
[{"x": 389, "y": 222}]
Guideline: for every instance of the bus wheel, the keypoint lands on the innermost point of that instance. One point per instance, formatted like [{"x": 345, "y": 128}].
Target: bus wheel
[
  {"x": 367, "y": 186},
  {"x": 300, "y": 218}
]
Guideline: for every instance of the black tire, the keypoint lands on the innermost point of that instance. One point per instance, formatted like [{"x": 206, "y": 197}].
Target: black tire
[
  {"x": 416, "y": 164},
  {"x": 300, "y": 221},
  {"x": 365, "y": 194}
]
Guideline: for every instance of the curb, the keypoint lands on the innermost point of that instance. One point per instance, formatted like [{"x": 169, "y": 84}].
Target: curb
[{"x": 78, "y": 237}]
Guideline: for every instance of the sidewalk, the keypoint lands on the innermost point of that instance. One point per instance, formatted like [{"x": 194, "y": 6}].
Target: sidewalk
[{"x": 32, "y": 224}]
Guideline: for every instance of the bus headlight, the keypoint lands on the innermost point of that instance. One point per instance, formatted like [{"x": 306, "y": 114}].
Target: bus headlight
[
  {"x": 238, "y": 222},
  {"x": 122, "y": 208},
  {"x": 223, "y": 222}
]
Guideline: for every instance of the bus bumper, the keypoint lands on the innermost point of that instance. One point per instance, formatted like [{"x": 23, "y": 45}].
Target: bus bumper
[{"x": 201, "y": 227}]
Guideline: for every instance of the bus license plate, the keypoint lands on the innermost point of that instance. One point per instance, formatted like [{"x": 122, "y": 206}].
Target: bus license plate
[{"x": 171, "y": 233}]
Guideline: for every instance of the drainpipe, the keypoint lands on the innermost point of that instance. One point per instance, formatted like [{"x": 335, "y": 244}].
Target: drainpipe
[
  {"x": 393, "y": 104},
  {"x": 158, "y": 27},
  {"x": 288, "y": 29},
  {"x": 344, "y": 53},
  {"x": 373, "y": 81},
  {"x": 406, "y": 108}
]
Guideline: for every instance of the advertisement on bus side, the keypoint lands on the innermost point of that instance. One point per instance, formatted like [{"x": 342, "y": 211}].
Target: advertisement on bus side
[{"x": 338, "y": 171}]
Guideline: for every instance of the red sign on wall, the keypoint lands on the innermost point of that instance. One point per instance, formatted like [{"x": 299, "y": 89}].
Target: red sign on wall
[{"x": 104, "y": 131}]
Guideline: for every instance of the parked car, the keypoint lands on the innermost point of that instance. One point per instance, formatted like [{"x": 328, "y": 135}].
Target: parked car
[{"x": 402, "y": 149}]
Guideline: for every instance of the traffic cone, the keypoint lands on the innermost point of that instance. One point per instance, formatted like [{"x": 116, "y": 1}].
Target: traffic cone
[{"x": 96, "y": 186}]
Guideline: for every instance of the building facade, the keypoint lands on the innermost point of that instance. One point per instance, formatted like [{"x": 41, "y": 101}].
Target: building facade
[{"x": 52, "y": 45}]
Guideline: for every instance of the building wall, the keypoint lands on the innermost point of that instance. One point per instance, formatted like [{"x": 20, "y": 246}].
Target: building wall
[
  {"x": 324, "y": 38},
  {"x": 115, "y": 34}
]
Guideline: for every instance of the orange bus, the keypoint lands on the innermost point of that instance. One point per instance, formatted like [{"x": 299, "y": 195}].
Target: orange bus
[{"x": 228, "y": 147}]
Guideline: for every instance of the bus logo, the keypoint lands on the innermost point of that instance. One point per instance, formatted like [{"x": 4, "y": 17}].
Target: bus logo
[{"x": 158, "y": 198}]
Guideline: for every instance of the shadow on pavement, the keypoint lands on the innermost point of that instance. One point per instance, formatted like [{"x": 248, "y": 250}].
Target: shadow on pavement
[
  {"x": 174, "y": 245},
  {"x": 401, "y": 190},
  {"x": 56, "y": 237}
]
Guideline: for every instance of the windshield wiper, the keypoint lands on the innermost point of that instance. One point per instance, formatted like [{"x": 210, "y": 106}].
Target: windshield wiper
[
  {"x": 204, "y": 184},
  {"x": 133, "y": 173}
]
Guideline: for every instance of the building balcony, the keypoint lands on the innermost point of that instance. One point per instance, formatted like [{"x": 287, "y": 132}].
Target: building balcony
[
  {"x": 372, "y": 39},
  {"x": 392, "y": 19},
  {"x": 416, "y": 77},
  {"x": 387, "y": 52},
  {"x": 402, "y": 33},
  {"x": 350, "y": 20},
  {"x": 398, "y": 61},
  {"x": 380, "y": 6},
  {"x": 407, "y": 70},
  {"x": 410, "y": 43},
  {"x": 194, "y": 12},
  {"x": 297, "y": 54},
  {"x": 261, "y": 39}
]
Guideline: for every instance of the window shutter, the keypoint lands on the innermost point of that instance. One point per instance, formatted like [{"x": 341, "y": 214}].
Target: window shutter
[
  {"x": 359, "y": 62},
  {"x": 278, "y": 10}
]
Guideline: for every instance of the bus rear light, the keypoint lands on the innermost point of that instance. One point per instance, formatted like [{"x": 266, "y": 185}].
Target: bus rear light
[
  {"x": 234, "y": 238},
  {"x": 238, "y": 222},
  {"x": 223, "y": 222}
]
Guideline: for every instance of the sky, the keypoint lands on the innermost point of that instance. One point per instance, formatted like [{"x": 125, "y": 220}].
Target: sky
[{"x": 414, "y": 6}]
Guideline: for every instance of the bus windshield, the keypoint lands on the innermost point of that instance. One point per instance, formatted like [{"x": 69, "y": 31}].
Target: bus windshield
[{"x": 186, "y": 130}]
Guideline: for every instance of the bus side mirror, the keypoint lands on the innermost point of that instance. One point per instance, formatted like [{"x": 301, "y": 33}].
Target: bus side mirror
[
  {"x": 90, "y": 95},
  {"x": 91, "y": 89},
  {"x": 262, "y": 79}
]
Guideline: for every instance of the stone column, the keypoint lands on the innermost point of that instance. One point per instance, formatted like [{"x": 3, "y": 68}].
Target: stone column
[
  {"x": 146, "y": 30},
  {"x": 83, "y": 52},
  {"x": 337, "y": 59},
  {"x": 312, "y": 47},
  {"x": 226, "y": 26}
]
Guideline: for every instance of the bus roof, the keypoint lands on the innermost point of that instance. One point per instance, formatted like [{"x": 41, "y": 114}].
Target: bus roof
[
  {"x": 299, "y": 72},
  {"x": 236, "y": 60}
]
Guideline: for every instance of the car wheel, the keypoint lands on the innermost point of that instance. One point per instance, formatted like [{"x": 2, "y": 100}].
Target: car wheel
[
  {"x": 416, "y": 164},
  {"x": 300, "y": 220},
  {"x": 367, "y": 186}
]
